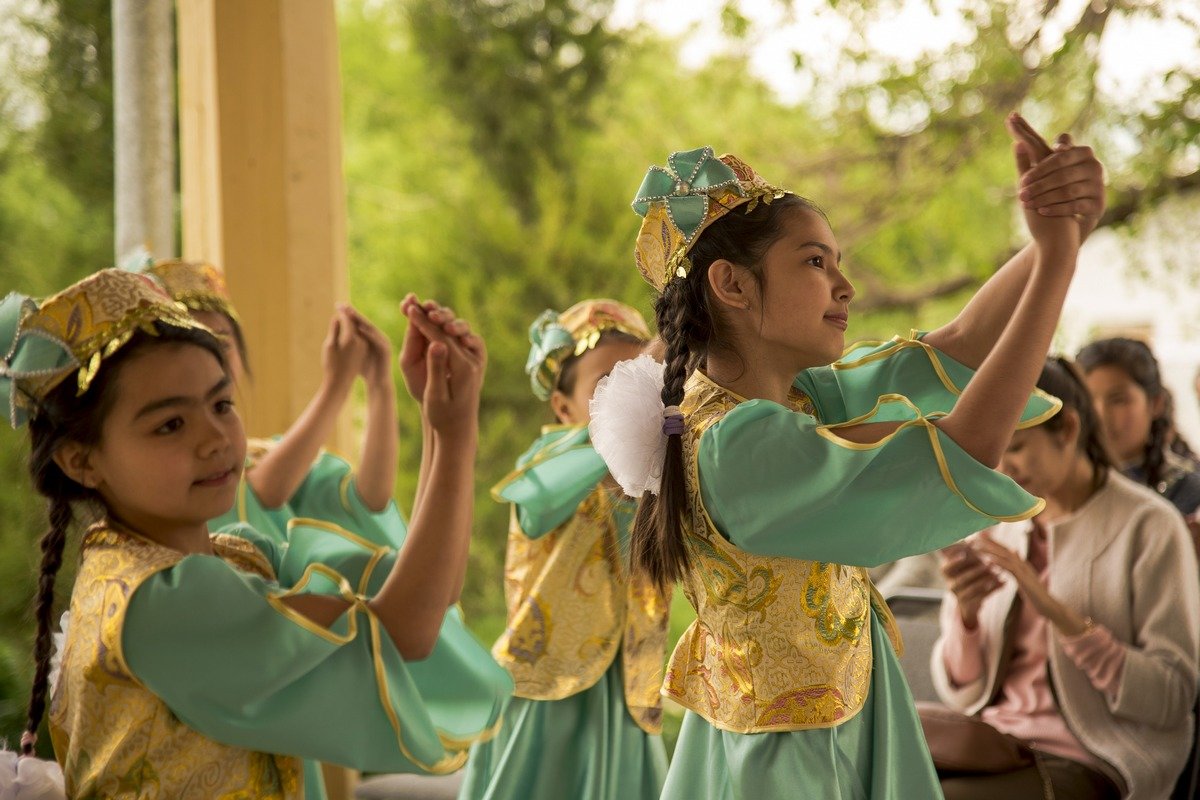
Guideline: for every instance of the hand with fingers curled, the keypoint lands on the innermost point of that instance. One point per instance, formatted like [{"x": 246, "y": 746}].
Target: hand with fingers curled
[
  {"x": 343, "y": 352},
  {"x": 443, "y": 363},
  {"x": 970, "y": 578},
  {"x": 1030, "y": 586},
  {"x": 1045, "y": 200}
]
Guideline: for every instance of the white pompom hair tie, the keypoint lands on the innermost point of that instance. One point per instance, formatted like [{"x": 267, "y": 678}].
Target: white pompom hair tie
[{"x": 627, "y": 424}]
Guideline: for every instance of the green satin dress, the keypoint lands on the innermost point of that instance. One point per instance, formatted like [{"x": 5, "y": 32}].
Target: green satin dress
[
  {"x": 777, "y": 482},
  {"x": 585, "y": 746}
]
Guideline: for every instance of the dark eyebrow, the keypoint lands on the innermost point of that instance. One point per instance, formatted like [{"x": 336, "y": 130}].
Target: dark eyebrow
[
  {"x": 180, "y": 400},
  {"x": 821, "y": 246}
]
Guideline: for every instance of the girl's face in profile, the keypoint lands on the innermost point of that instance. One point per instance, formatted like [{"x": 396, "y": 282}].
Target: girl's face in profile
[
  {"x": 1125, "y": 410},
  {"x": 805, "y": 298},
  {"x": 171, "y": 447}
]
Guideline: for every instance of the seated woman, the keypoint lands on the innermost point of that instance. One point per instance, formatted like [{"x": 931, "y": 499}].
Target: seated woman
[{"x": 1077, "y": 633}]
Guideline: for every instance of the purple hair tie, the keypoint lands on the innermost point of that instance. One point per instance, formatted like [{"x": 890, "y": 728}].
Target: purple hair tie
[{"x": 672, "y": 421}]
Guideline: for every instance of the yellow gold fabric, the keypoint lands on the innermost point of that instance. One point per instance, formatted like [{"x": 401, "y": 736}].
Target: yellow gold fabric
[
  {"x": 113, "y": 737},
  {"x": 572, "y": 605},
  {"x": 94, "y": 318},
  {"x": 197, "y": 284},
  {"x": 662, "y": 248},
  {"x": 779, "y": 644}
]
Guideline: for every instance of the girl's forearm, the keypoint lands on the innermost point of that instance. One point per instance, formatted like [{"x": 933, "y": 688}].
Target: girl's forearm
[
  {"x": 970, "y": 336},
  {"x": 376, "y": 477},
  {"x": 427, "y": 446},
  {"x": 990, "y": 407},
  {"x": 279, "y": 473},
  {"x": 413, "y": 600}
]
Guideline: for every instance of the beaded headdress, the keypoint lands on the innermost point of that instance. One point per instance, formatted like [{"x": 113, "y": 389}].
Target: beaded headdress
[
  {"x": 553, "y": 337},
  {"x": 677, "y": 203},
  {"x": 71, "y": 333},
  {"x": 197, "y": 284}
]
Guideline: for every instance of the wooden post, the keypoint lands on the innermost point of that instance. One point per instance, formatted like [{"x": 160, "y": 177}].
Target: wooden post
[
  {"x": 263, "y": 195},
  {"x": 262, "y": 190}
]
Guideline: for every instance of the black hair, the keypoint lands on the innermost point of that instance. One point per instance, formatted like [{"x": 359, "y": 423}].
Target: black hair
[
  {"x": 63, "y": 417},
  {"x": 1137, "y": 360},
  {"x": 1061, "y": 378},
  {"x": 565, "y": 382},
  {"x": 690, "y": 328}
]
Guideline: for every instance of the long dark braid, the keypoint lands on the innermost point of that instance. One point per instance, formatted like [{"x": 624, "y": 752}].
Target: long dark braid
[
  {"x": 690, "y": 329},
  {"x": 1136, "y": 360},
  {"x": 63, "y": 417},
  {"x": 52, "y": 543}
]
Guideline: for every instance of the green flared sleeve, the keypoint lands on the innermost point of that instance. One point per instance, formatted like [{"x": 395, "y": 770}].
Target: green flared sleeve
[
  {"x": 330, "y": 492},
  {"x": 775, "y": 482},
  {"x": 551, "y": 479},
  {"x": 906, "y": 366},
  {"x": 249, "y": 510},
  {"x": 251, "y": 672}
]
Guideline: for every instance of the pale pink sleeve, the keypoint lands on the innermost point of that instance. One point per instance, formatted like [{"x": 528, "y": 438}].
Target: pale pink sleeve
[
  {"x": 962, "y": 650},
  {"x": 1099, "y": 656}
]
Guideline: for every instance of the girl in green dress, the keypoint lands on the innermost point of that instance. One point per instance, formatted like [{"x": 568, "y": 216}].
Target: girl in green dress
[
  {"x": 786, "y": 471},
  {"x": 584, "y": 640},
  {"x": 291, "y": 477},
  {"x": 200, "y": 665}
]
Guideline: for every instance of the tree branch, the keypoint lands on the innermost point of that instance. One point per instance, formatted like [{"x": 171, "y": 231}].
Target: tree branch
[{"x": 1129, "y": 202}]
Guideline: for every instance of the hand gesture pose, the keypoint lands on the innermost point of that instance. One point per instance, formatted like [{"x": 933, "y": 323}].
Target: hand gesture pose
[
  {"x": 1051, "y": 224},
  {"x": 414, "y": 351},
  {"x": 1031, "y": 588},
  {"x": 455, "y": 361},
  {"x": 970, "y": 578}
]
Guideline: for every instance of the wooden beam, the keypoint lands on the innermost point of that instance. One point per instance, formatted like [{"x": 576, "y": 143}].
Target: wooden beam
[
  {"x": 261, "y": 182},
  {"x": 263, "y": 195}
]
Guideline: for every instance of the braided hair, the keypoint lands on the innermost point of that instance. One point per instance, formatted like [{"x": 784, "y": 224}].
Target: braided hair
[
  {"x": 1136, "y": 360},
  {"x": 1061, "y": 378},
  {"x": 63, "y": 417},
  {"x": 690, "y": 328}
]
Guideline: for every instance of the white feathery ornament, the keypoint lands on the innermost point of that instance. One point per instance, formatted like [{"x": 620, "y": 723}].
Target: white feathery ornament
[
  {"x": 626, "y": 426},
  {"x": 28, "y": 778}
]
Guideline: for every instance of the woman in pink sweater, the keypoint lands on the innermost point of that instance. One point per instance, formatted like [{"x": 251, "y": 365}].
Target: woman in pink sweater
[{"x": 1078, "y": 632}]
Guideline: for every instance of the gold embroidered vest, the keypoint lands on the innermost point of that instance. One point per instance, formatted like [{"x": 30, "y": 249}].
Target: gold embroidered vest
[
  {"x": 115, "y": 738},
  {"x": 779, "y": 644},
  {"x": 572, "y": 605}
]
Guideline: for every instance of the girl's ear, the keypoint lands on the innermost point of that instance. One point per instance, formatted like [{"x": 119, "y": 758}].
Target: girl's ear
[
  {"x": 75, "y": 461},
  {"x": 731, "y": 285},
  {"x": 560, "y": 404},
  {"x": 1158, "y": 406},
  {"x": 1068, "y": 434}
]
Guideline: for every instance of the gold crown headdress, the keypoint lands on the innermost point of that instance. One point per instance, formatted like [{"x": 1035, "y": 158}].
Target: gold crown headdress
[
  {"x": 42, "y": 344},
  {"x": 197, "y": 284},
  {"x": 677, "y": 203},
  {"x": 553, "y": 337}
]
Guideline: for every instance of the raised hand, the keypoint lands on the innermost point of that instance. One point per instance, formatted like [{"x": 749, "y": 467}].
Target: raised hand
[
  {"x": 343, "y": 351},
  {"x": 1068, "y": 181},
  {"x": 377, "y": 361},
  {"x": 1056, "y": 231},
  {"x": 413, "y": 351}
]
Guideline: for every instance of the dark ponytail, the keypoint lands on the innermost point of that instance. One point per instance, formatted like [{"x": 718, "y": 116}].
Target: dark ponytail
[
  {"x": 63, "y": 417},
  {"x": 1136, "y": 360},
  {"x": 1061, "y": 378},
  {"x": 690, "y": 329}
]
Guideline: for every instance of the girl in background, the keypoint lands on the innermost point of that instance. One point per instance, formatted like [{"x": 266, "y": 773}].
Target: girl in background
[
  {"x": 1126, "y": 384},
  {"x": 1095, "y": 675},
  {"x": 585, "y": 639}
]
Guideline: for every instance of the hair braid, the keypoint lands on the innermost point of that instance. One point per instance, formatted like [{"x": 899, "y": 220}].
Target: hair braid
[
  {"x": 1154, "y": 461},
  {"x": 52, "y": 544},
  {"x": 657, "y": 540}
]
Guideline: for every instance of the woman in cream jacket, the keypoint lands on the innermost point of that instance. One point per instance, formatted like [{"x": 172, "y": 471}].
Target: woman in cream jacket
[{"x": 1077, "y": 632}]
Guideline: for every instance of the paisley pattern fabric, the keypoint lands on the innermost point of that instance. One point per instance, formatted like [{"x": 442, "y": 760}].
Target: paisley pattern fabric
[{"x": 113, "y": 737}]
